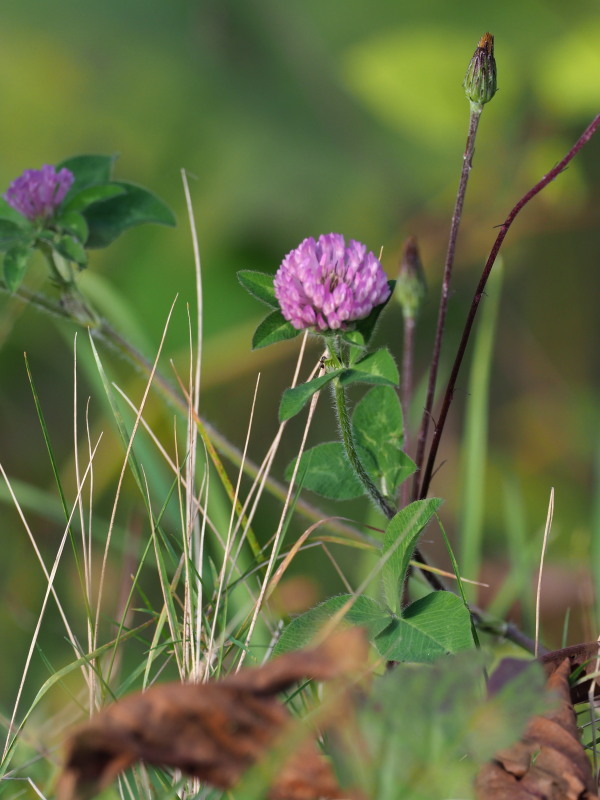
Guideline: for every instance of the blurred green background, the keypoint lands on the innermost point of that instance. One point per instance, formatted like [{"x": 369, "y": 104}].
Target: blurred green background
[{"x": 300, "y": 118}]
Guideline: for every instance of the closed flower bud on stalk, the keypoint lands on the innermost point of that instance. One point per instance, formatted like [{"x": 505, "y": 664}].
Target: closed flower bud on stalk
[
  {"x": 410, "y": 286},
  {"x": 480, "y": 81},
  {"x": 328, "y": 285},
  {"x": 37, "y": 193}
]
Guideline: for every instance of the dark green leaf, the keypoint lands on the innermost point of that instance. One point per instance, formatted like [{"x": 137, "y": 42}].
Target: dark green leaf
[
  {"x": 294, "y": 400},
  {"x": 12, "y": 235},
  {"x": 88, "y": 170},
  {"x": 74, "y": 223},
  {"x": 324, "y": 469},
  {"x": 259, "y": 285},
  {"x": 379, "y": 367},
  {"x": 92, "y": 194},
  {"x": 7, "y": 212},
  {"x": 366, "y": 326},
  {"x": 433, "y": 626},
  {"x": 357, "y": 344},
  {"x": 273, "y": 328},
  {"x": 379, "y": 364},
  {"x": 363, "y": 611},
  {"x": 401, "y": 536},
  {"x": 71, "y": 249},
  {"x": 379, "y": 432},
  {"x": 354, "y": 376},
  {"x": 109, "y": 218},
  {"x": 15, "y": 265}
]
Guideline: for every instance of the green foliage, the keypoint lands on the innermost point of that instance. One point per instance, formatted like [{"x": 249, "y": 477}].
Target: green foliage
[
  {"x": 88, "y": 170},
  {"x": 294, "y": 400},
  {"x": 259, "y": 285},
  {"x": 74, "y": 223},
  {"x": 361, "y": 610},
  {"x": 274, "y": 328},
  {"x": 399, "y": 542},
  {"x": 91, "y": 194},
  {"x": 95, "y": 211},
  {"x": 432, "y": 626},
  {"x": 16, "y": 238},
  {"x": 422, "y": 732},
  {"x": 107, "y": 219},
  {"x": 11, "y": 233},
  {"x": 427, "y": 629},
  {"x": 378, "y": 368},
  {"x": 15, "y": 264},
  {"x": 378, "y": 432},
  {"x": 71, "y": 248},
  {"x": 325, "y": 469},
  {"x": 475, "y": 441},
  {"x": 9, "y": 214}
]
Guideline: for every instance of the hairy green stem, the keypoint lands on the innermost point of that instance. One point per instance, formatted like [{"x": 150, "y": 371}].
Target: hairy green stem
[{"x": 350, "y": 448}]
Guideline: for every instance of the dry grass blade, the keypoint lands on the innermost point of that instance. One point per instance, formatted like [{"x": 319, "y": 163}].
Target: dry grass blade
[
  {"x": 214, "y": 731},
  {"x": 538, "y": 598}
]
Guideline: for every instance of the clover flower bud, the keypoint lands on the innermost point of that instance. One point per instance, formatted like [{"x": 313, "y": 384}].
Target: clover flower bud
[
  {"x": 328, "y": 285},
  {"x": 480, "y": 81},
  {"x": 37, "y": 193},
  {"x": 410, "y": 286}
]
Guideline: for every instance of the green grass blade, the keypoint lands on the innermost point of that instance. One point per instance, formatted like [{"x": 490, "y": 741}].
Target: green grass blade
[
  {"x": 474, "y": 451},
  {"x": 87, "y": 659},
  {"x": 522, "y": 557}
]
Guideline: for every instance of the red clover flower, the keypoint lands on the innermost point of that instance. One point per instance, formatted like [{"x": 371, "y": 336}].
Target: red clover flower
[
  {"x": 37, "y": 193},
  {"x": 327, "y": 285}
]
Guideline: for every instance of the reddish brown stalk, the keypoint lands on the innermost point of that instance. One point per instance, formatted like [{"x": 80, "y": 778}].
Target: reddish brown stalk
[
  {"x": 548, "y": 178},
  {"x": 439, "y": 332}
]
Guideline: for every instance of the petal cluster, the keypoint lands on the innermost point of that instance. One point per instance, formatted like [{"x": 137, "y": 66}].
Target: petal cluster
[
  {"x": 37, "y": 193},
  {"x": 327, "y": 285}
]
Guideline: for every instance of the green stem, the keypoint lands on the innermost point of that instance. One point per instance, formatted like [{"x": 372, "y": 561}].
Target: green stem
[
  {"x": 72, "y": 301},
  {"x": 350, "y": 447}
]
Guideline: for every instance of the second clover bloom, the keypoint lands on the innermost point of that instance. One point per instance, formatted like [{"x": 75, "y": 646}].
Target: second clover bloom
[
  {"x": 328, "y": 285},
  {"x": 37, "y": 193}
]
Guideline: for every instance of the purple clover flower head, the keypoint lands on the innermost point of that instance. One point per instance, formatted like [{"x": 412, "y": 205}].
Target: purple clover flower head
[
  {"x": 37, "y": 193},
  {"x": 327, "y": 285}
]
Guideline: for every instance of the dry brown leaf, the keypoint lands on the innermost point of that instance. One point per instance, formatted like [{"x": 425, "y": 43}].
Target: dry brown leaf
[
  {"x": 214, "y": 731},
  {"x": 548, "y": 763},
  {"x": 583, "y": 659}
]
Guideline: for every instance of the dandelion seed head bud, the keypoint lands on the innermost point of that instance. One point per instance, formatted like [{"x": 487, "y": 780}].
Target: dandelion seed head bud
[
  {"x": 410, "y": 286},
  {"x": 480, "y": 81}
]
